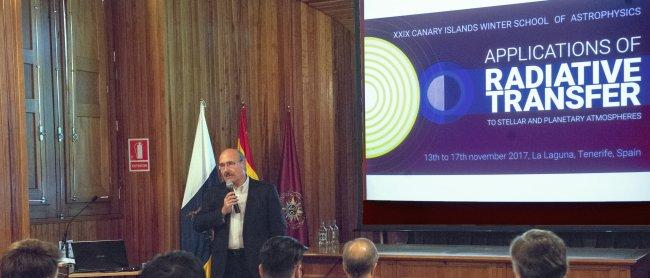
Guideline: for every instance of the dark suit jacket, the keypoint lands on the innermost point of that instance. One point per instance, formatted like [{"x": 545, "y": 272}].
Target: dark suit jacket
[{"x": 263, "y": 219}]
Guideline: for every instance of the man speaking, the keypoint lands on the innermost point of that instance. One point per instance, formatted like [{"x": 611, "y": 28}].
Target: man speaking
[{"x": 242, "y": 214}]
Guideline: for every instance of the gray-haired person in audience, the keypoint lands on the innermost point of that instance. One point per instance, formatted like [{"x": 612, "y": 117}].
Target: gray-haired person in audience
[
  {"x": 360, "y": 258},
  {"x": 538, "y": 254},
  {"x": 30, "y": 258},
  {"x": 175, "y": 264}
]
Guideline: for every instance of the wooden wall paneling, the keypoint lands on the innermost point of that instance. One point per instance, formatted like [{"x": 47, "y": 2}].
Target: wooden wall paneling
[
  {"x": 591, "y": 271},
  {"x": 47, "y": 232},
  {"x": 326, "y": 62},
  {"x": 189, "y": 77},
  {"x": 170, "y": 73},
  {"x": 168, "y": 203},
  {"x": 326, "y": 152},
  {"x": 225, "y": 50},
  {"x": 245, "y": 17},
  {"x": 16, "y": 128},
  {"x": 294, "y": 65},
  {"x": 138, "y": 96},
  {"x": 217, "y": 56},
  {"x": 348, "y": 125},
  {"x": 285, "y": 78},
  {"x": 183, "y": 98},
  {"x": 115, "y": 131},
  {"x": 331, "y": 267},
  {"x": 195, "y": 68},
  {"x": 449, "y": 269},
  {"x": 125, "y": 19},
  {"x": 341, "y": 10},
  {"x": 83, "y": 229},
  {"x": 6, "y": 88},
  {"x": 151, "y": 204},
  {"x": 295, "y": 99},
  {"x": 250, "y": 18},
  {"x": 304, "y": 88},
  {"x": 267, "y": 54},
  {"x": 311, "y": 126},
  {"x": 14, "y": 222},
  {"x": 387, "y": 269},
  {"x": 607, "y": 263},
  {"x": 265, "y": 99}
]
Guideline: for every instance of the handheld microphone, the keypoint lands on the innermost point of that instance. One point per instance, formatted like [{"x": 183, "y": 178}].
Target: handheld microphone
[
  {"x": 231, "y": 188},
  {"x": 66, "y": 248}
]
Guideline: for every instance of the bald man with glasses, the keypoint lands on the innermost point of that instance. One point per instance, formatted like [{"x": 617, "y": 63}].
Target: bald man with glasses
[{"x": 242, "y": 214}]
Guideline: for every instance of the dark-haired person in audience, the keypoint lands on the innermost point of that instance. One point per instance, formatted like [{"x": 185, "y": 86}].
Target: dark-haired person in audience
[
  {"x": 538, "y": 254},
  {"x": 360, "y": 258},
  {"x": 30, "y": 258},
  {"x": 281, "y": 257},
  {"x": 176, "y": 264}
]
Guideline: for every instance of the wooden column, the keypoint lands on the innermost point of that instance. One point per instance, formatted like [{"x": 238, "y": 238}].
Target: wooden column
[
  {"x": 149, "y": 198},
  {"x": 14, "y": 219}
]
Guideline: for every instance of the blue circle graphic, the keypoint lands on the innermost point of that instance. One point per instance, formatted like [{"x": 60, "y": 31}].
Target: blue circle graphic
[{"x": 447, "y": 92}]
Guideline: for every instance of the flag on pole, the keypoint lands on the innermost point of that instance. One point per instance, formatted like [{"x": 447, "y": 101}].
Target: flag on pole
[
  {"x": 291, "y": 188},
  {"x": 243, "y": 146},
  {"x": 202, "y": 172}
]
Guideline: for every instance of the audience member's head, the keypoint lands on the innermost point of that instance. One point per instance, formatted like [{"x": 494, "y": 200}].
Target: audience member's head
[
  {"x": 281, "y": 257},
  {"x": 360, "y": 258},
  {"x": 176, "y": 264},
  {"x": 538, "y": 254},
  {"x": 30, "y": 258}
]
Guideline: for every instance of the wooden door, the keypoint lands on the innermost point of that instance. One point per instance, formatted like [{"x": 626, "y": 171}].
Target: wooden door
[
  {"x": 40, "y": 98},
  {"x": 86, "y": 98}
]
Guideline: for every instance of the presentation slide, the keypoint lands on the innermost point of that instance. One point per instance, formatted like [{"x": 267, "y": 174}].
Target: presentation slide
[{"x": 507, "y": 101}]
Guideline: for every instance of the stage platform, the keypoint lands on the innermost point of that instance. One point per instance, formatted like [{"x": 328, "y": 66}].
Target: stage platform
[{"x": 405, "y": 261}]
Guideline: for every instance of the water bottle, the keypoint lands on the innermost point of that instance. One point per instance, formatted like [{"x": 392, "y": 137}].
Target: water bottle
[
  {"x": 328, "y": 231},
  {"x": 322, "y": 237},
  {"x": 334, "y": 238}
]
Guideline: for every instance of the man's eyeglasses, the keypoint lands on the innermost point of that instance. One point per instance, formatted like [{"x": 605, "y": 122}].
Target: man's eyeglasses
[{"x": 227, "y": 164}]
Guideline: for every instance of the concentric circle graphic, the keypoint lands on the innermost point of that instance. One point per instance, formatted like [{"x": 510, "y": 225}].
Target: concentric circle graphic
[{"x": 392, "y": 96}]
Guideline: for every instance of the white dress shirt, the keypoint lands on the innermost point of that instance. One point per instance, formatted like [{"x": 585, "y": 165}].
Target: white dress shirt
[{"x": 236, "y": 236}]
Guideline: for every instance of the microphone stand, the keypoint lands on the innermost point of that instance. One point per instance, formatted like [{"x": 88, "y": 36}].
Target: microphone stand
[{"x": 66, "y": 249}]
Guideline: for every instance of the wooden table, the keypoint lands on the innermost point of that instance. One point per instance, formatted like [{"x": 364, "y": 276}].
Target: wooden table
[{"x": 479, "y": 261}]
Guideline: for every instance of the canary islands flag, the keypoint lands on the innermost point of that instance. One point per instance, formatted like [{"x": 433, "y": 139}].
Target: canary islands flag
[{"x": 202, "y": 172}]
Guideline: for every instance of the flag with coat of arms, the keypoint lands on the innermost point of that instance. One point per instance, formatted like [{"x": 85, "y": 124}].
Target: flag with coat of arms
[{"x": 291, "y": 197}]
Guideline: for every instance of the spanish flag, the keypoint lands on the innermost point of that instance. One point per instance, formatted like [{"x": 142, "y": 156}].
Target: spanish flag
[{"x": 243, "y": 146}]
